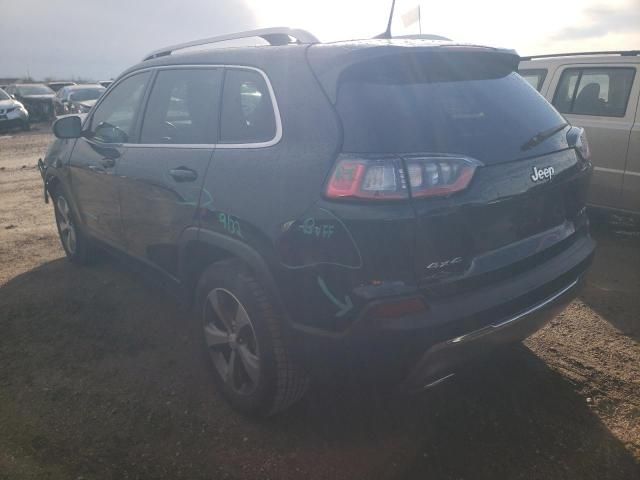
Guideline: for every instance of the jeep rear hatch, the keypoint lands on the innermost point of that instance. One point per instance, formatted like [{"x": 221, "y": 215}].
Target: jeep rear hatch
[{"x": 483, "y": 158}]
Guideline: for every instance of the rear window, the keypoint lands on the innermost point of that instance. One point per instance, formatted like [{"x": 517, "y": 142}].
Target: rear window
[
  {"x": 86, "y": 94},
  {"x": 396, "y": 106},
  {"x": 535, "y": 77},
  {"x": 34, "y": 90}
]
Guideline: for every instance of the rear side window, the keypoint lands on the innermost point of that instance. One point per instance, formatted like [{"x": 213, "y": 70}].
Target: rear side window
[
  {"x": 535, "y": 77},
  {"x": 183, "y": 107},
  {"x": 440, "y": 106},
  {"x": 247, "y": 111},
  {"x": 113, "y": 120},
  {"x": 594, "y": 91}
]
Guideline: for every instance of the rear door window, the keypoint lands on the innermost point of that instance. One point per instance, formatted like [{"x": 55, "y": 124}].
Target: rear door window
[
  {"x": 183, "y": 107},
  {"x": 248, "y": 114},
  {"x": 535, "y": 77},
  {"x": 594, "y": 91}
]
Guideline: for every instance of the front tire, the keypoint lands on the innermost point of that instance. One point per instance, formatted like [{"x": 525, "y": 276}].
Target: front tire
[
  {"x": 243, "y": 338},
  {"x": 74, "y": 243}
]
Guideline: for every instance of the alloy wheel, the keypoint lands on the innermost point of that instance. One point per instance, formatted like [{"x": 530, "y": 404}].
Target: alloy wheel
[
  {"x": 65, "y": 225},
  {"x": 231, "y": 340}
]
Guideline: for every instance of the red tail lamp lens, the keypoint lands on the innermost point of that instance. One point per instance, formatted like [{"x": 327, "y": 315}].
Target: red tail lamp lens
[
  {"x": 439, "y": 176},
  {"x": 375, "y": 179},
  {"x": 385, "y": 178}
]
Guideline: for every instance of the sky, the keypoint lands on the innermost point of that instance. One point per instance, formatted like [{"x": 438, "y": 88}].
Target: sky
[{"x": 98, "y": 39}]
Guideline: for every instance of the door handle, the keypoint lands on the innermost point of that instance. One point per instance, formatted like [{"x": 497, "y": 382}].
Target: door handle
[
  {"x": 183, "y": 174},
  {"x": 108, "y": 162}
]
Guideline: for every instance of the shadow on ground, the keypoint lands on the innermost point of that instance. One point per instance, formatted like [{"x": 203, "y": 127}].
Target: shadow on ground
[
  {"x": 613, "y": 286},
  {"x": 100, "y": 377}
]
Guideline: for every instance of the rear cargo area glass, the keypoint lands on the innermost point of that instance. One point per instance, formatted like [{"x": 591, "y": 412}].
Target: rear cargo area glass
[{"x": 445, "y": 105}]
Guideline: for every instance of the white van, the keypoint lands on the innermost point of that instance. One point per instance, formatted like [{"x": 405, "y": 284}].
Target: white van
[{"x": 598, "y": 91}]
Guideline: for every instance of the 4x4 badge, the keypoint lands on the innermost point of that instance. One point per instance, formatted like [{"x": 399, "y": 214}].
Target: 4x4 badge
[{"x": 540, "y": 174}]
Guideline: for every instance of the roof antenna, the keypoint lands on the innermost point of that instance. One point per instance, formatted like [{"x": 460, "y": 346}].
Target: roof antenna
[{"x": 387, "y": 32}]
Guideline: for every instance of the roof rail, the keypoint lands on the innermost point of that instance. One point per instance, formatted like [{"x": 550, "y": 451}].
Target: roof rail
[
  {"x": 274, "y": 36},
  {"x": 624, "y": 53}
]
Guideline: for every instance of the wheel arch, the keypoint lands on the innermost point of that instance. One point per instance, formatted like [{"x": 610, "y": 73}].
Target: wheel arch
[{"x": 199, "y": 248}]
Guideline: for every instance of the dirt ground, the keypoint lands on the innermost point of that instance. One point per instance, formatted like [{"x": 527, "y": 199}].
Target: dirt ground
[{"x": 101, "y": 378}]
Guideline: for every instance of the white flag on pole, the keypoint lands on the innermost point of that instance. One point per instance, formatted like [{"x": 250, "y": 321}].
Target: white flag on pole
[{"x": 411, "y": 16}]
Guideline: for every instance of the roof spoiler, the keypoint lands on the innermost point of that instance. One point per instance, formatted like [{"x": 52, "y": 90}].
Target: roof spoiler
[{"x": 329, "y": 66}]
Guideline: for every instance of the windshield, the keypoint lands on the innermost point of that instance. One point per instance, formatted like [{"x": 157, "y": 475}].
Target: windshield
[
  {"x": 3, "y": 95},
  {"x": 390, "y": 108},
  {"x": 86, "y": 94},
  {"x": 34, "y": 90}
]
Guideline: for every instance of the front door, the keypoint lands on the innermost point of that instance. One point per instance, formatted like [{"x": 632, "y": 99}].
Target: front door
[
  {"x": 161, "y": 177},
  {"x": 97, "y": 154}
]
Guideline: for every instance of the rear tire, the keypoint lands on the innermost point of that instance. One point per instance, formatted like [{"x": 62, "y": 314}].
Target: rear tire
[
  {"x": 244, "y": 341},
  {"x": 75, "y": 245}
]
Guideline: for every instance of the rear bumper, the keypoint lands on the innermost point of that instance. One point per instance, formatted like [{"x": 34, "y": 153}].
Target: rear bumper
[
  {"x": 425, "y": 347},
  {"x": 42, "y": 110},
  {"x": 443, "y": 359}
]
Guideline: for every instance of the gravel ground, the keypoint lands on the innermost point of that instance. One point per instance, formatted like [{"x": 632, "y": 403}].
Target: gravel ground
[{"x": 100, "y": 378}]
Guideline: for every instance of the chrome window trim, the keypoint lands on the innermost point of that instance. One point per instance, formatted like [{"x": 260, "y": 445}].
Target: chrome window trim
[
  {"x": 615, "y": 170},
  {"x": 223, "y": 146}
]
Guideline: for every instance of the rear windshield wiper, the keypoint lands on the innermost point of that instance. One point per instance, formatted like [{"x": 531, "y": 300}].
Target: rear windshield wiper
[{"x": 540, "y": 137}]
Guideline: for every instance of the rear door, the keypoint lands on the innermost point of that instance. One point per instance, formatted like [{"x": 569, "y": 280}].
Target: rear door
[
  {"x": 160, "y": 180},
  {"x": 97, "y": 154},
  {"x": 600, "y": 99}
]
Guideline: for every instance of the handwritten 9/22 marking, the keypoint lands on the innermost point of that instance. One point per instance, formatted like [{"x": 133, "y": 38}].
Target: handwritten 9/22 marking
[{"x": 230, "y": 224}]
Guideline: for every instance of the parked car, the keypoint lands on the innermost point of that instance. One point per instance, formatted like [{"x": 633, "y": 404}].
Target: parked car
[
  {"x": 37, "y": 98},
  {"x": 12, "y": 113},
  {"x": 598, "y": 91},
  {"x": 76, "y": 98},
  {"x": 55, "y": 86},
  {"x": 105, "y": 83},
  {"x": 395, "y": 206}
]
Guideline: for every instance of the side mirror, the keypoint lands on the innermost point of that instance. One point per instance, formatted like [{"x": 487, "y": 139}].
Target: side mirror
[{"x": 68, "y": 127}]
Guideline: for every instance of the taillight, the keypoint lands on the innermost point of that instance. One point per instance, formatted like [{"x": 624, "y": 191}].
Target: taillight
[
  {"x": 372, "y": 179},
  {"x": 385, "y": 178},
  {"x": 439, "y": 175}
]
